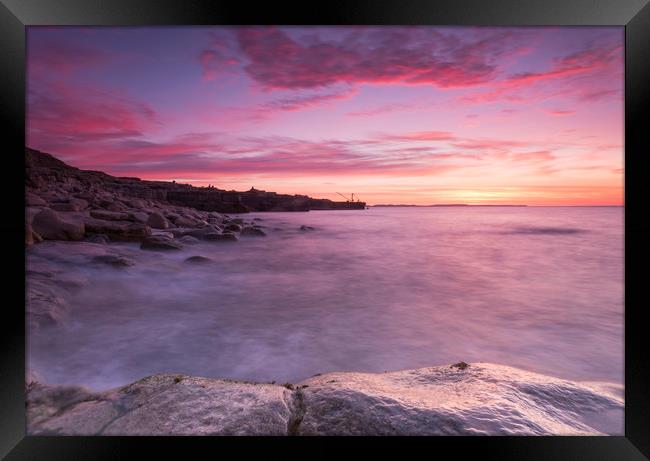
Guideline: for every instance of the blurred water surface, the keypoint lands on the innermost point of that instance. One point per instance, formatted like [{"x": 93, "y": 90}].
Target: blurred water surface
[{"x": 540, "y": 288}]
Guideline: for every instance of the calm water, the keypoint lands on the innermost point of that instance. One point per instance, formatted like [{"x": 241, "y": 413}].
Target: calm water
[{"x": 373, "y": 290}]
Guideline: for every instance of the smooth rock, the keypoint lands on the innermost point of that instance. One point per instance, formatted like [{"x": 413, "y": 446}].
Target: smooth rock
[
  {"x": 112, "y": 205},
  {"x": 109, "y": 215},
  {"x": 159, "y": 242},
  {"x": 157, "y": 221},
  {"x": 97, "y": 238},
  {"x": 182, "y": 221},
  {"x": 481, "y": 399},
  {"x": 31, "y": 237},
  {"x": 32, "y": 199},
  {"x": 203, "y": 231},
  {"x": 31, "y": 212},
  {"x": 188, "y": 240},
  {"x": 72, "y": 204},
  {"x": 232, "y": 227},
  {"x": 198, "y": 260},
  {"x": 51, "y": 226},
  {"x": 162, "y": 233},
  {"x": 138, "y": 216},
  {"x": 253, "y": 231},
  {"x": 225, "y": 237},
  {"x": 117, "y": 230},
  {"x": 161, "y": 405},
  {"x": 114, "y": 260}
]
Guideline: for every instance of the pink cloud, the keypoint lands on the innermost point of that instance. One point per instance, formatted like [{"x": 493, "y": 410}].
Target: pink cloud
[
  {"x": 63, "y": 115},
  {"x": 233, "y": 116},
  {"x": 279, "y": 157},
  {"x": 422, "y": 136},
  {"x": 536, "y": 156},
  {"x": 588, "y": 74},
  {"x": 385, "y": 109},
  {"x": 276, "y": 60},
  {"x": 300, "y": 102},
  {"x": 560, "y": 112},
  {"x": 487, "y": 144},
  {"x": 54, "y": 59}
]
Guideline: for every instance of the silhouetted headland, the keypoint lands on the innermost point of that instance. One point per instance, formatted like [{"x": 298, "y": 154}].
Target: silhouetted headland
[{"x": 43, "y": 168}]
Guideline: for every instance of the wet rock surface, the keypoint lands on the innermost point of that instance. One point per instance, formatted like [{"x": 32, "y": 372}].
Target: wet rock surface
[
  {"x": 482, "y": 399},
  {"x": 161, "y": 405}
]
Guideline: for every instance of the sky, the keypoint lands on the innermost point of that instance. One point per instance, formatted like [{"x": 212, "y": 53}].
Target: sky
[{"x": 399, "y": 115}]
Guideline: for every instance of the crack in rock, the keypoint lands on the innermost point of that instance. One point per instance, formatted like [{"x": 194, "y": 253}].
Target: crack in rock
[{"x": 297, "y": 409}]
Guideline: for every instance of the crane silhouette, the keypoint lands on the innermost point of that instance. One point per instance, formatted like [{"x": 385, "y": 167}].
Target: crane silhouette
[{"x": 348, "y": 199}]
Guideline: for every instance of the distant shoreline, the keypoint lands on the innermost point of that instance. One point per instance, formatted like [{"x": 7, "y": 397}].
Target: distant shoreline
[
  {"x": 443, "y": 205},
  {"x": 467, "y": 205}
]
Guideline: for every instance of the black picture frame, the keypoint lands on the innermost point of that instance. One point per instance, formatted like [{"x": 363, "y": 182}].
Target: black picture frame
[{"x": 634, "y": 15}]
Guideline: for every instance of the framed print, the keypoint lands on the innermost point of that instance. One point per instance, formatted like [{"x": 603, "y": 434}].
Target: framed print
[{"x": 425, "y": 220}]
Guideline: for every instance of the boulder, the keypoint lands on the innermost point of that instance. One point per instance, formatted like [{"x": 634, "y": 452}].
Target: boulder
[
  {"x": 183, "y": 221},
  {"x": 70, "y": 205},
  {"x": 32, "y": 199},
  {"x": 157, "y": 221},
  {"x": 51, "y": 226},
  {"x": 162, "y": 233},
  {"x": 202, "y": 232},
  {"x": 180, "y": 231},
  {"x": 117, "y": 230},
  {"x": 31, "y": 212},
  {"x": 188, "y": 240},
  {"x": 112, "y": 205},
  {"x": 225, "y": 237},
  {"x": 78, "y": 203},
  {"x": 31, "y": 237},
  {"x": 109, "y": 215},
  {"x": 253, "y": 231},
  {"x": 306, "y": 228},
  {"x": 232, "y": 227},
  {"x": 134, "y": 203},
  {"x": 159, "y": 242},
  {"x": 114, "y": 260},
  {"x": 102, "y": 239},
  {"x": 138, "y": 216},
  {"x": 198, "y": 260}
]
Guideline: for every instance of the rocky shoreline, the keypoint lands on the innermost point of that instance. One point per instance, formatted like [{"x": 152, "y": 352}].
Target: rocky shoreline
[
  {"x": 460, "y": 399},
  {"x": 93, "y": 209},
  {"x": 65, "y": 188}
]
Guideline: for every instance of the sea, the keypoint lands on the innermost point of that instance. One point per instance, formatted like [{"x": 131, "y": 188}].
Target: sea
[{"x": 381, "y": 289}]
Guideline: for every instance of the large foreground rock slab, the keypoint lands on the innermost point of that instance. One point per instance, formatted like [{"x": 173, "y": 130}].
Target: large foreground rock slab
[
  {"x": 162, "y": 405},
  {"x": 480, "y": 399}
]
